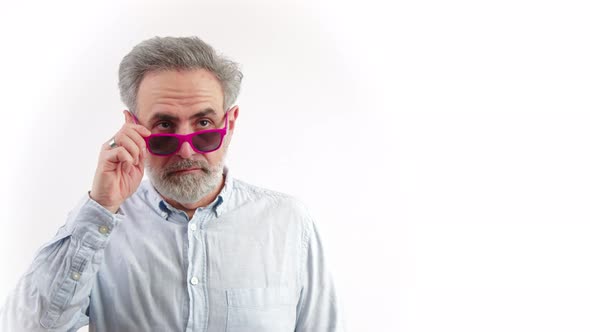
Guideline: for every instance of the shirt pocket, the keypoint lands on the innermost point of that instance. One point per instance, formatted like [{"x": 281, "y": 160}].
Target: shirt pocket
[{"x": 261, "y": 309}]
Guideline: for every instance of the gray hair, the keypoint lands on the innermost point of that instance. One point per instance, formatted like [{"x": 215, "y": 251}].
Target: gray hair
[{"x": 176, "y": 53}]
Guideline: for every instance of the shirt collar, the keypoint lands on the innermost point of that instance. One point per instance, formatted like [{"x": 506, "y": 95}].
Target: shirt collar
[{"x": 218, "y": 205}]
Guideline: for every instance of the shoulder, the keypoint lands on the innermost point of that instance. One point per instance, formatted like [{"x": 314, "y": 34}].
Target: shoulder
[{"x": 276, "y": 202}]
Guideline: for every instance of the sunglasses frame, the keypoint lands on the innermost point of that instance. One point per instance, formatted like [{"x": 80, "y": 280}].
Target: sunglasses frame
[{"x": 185, "y": 138}]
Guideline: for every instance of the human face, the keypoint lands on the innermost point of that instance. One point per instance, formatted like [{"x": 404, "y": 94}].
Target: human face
[{"x": 183, "y": 102}]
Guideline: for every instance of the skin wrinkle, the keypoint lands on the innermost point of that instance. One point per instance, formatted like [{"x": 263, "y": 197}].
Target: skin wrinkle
[
  {"x": 208, "y": 112},
  {"x": 172, "y": 97}
]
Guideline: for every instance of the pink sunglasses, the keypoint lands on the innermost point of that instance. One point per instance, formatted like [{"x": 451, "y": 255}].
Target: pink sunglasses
[{"x": 203, "y": 141}]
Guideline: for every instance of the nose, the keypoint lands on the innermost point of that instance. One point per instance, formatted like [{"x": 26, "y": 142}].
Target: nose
[{"x": 186, "y": 150}]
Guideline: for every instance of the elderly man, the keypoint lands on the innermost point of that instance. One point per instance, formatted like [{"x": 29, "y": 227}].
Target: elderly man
[{"x": 192, "y": 249}]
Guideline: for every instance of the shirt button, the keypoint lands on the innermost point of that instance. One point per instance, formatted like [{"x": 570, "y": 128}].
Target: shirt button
[
  {"x": 193, "y": 227},
  {"x": 75, "y": 276},
  {"x": 103, "y": 229},
  {"x": 194, "y": 280}
]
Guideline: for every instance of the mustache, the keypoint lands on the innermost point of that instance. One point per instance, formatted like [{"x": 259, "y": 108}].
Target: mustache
[{"x": 186, "y": 164}]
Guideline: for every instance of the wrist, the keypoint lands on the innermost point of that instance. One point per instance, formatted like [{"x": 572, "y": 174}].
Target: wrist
[{"x": 111, "y": 208}]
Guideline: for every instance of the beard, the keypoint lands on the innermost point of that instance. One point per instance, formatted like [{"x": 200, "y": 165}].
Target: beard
[{"x": 186, "y": 188}]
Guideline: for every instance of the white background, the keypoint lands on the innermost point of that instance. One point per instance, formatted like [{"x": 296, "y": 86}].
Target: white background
[{"x": 441, "y": 145}]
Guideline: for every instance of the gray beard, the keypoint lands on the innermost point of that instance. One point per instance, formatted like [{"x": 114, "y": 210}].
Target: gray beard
[{"x": 186, "y": 188}]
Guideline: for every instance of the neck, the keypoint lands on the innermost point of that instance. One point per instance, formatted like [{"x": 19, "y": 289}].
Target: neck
[{"x": 192, "y": 207}]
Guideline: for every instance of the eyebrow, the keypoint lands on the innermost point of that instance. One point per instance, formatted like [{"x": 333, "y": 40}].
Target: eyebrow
[{"x": 173, "y": 118}]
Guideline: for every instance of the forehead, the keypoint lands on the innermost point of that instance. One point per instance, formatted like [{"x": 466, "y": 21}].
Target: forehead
[{"x": 179, "y": 93}]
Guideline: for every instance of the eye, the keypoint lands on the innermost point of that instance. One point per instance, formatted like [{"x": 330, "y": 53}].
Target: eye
[
  {"x": 164, "y": 125},
  {"x": 204, "y": 123}
]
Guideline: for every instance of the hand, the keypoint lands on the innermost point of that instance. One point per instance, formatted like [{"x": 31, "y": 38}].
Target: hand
[{"x": 120, "y": 169}]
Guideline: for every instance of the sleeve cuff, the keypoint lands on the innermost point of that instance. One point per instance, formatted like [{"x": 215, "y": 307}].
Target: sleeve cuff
[{"x": 91, "y": 223}]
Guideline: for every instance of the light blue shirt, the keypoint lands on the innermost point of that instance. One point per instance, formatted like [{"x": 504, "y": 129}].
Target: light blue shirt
[{"x": 249, "y": 261}]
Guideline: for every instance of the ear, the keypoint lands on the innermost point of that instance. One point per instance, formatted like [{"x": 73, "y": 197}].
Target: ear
[
  {"x": 232, "y": 119},
  {"x": 128, "y": 117}
]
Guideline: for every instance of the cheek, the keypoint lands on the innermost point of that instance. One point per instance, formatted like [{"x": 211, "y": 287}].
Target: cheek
[
  {"x": 213, "y": 158},
  {"x": 156, "y": 162}
]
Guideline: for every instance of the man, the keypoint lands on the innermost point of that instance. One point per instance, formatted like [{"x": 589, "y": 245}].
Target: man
[{"x": 192, "y": 249}]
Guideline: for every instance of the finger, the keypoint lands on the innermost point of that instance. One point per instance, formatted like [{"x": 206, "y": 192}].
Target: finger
[
  {"x": 118, "y": 155},
  {"x": 141, "y": 164},
  {"x": 143, "y": 131},
  {"x": 131, "y": 120},
  {"x": 135, "y": 136},
  {"x": 126, "y": 142}
]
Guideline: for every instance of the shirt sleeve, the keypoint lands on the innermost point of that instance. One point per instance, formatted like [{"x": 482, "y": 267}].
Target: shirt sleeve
[
  {"x": 54, "y": 293},
  {"x": 318, "y": 309}
]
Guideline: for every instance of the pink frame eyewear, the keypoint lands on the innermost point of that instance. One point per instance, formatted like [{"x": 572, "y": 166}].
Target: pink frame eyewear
[{"x": 203, "y": 141}]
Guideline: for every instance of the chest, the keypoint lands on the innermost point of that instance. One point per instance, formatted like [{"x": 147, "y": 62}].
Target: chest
[{"x": 232, "y": 277}]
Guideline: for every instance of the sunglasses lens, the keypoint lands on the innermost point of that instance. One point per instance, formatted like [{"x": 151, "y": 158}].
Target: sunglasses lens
[
  {"x": 163, "y": 145},
  {"x": 207, "y": 142}
]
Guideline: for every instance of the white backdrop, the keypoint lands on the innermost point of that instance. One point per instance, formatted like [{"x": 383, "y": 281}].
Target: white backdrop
[{"x": 441, "y": 145}]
